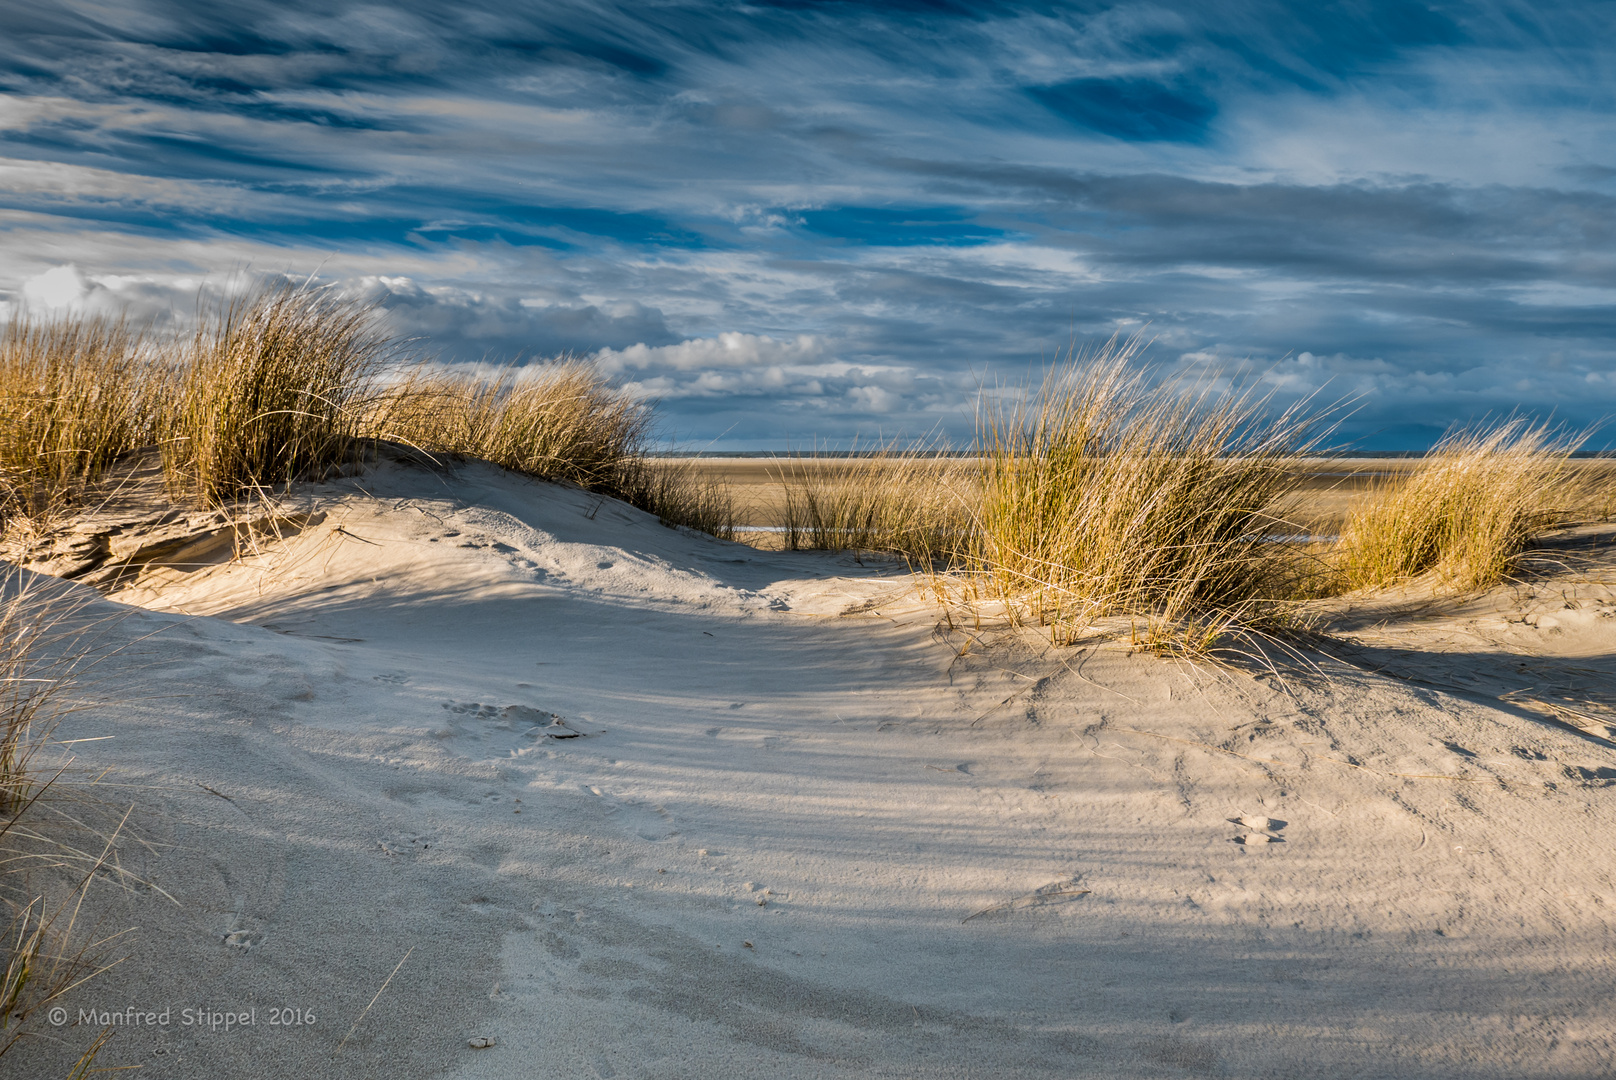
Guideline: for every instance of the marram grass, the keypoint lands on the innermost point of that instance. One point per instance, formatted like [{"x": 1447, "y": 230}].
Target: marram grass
[
  {"x": 680, "y": 494},
  {"x": 1107, "y": 493},
  {"x": 904, "y": 501},
  {"x": 561, "y": 421},
  {"x": 1466, "y": 513},
  {"x": 1110, "y": 493},
  {"x": 289, "y": 382},
  {"x": 44, "y": 814},
  {"x": 271, "y": 389},
  {"x": 74, "y": 395}
]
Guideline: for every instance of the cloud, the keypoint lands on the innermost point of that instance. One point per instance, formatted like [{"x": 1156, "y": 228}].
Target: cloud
[
  {"x": 737, "y": 364},
  {"x": 731, "y": 350},
  {"x": 847, "y": 214},
  {"x": 1140, "y": 109},
  {"x": 60, "y": 287},
  {"x": 459, "y": 323},
  {"x": 66, "y": 290}
]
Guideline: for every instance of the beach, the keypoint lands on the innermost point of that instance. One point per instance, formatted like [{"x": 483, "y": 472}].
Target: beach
[
  {"x": 807, "y": 541},
  {"x": 1328, "y": 488},
  {"x": 457, "y": 756}
]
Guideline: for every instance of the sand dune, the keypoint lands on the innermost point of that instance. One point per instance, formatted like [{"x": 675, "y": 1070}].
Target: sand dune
[{"x": 633, "y": 802}]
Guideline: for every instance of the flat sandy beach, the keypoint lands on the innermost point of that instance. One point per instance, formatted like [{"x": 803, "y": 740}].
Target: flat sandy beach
[
  {"x": 465, "y": 756},
  {"x": 1328, "y": 490}
]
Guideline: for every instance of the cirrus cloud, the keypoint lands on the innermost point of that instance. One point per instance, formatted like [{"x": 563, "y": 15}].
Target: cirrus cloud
[{"x": 768, "y": 213}]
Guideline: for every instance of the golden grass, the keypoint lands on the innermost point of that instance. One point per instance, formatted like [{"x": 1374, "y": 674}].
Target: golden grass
[
  {"x": 30, "y": 690},
  {"x": 904, "y": 501},
  {"x": 1592, "y": 492},
  {"x": 559, "y": 421},
  {"x": 288, "y": 382},
  {"x": 680, "y": 494},
  {"x": 74, "y": 395},
  {"x": 1467, "y": 513},
  {"x": 1111, "y": 494},
  {"x": 1107, "y": 493},
  {"x": 273, "y": 388}
]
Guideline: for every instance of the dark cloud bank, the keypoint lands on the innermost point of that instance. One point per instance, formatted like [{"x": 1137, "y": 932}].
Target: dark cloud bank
[{"x": 800, "y": 221}]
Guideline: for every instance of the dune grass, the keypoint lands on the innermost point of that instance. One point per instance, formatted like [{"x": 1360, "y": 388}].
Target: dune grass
[
  {"x": 1592, "y": 491},
  {"x": 267, "y": 390},
  {"x": 273, "y": 388},
  {"x": 560, "y": 421},
  {"x": 28, "y": 689},
  {"x": 74, "y": 395},
  {"x": 289, "y": 382},
  {"x": 680, "y": 494},
  {"x": 1111, "y": 493},
  {"x": 1466, "y": 513},
  {"x": 1107, "y": 492},
  {"x": 905, "y": 501}
]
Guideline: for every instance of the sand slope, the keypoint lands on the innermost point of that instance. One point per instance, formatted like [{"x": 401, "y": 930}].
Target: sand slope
[{"x": 800, "y": 835}]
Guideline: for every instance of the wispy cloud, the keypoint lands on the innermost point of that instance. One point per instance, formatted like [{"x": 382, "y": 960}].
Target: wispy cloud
[{"x": 794, "y": 221}]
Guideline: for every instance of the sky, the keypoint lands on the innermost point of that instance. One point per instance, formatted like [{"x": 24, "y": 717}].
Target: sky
[{"x": 801, "y": 223}]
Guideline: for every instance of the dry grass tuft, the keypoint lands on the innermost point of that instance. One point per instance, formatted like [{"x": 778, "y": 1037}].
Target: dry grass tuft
[
  {"x": 287, "y": 383},
  {"x": 1466, "y": 513},
  {"x": 74, "y": 395},
  {"x": 1107, "y": 494},
  {"x": 1592, "y": 492},
  {"x": 1112, "y": 495},
  {"x": 273, "y": 388},
  {"x": 904, "y": 501},
  {"x": 559, "y": 421},
  {"x": 43, "y": 646},
  {"x": 681, "y": 495}
]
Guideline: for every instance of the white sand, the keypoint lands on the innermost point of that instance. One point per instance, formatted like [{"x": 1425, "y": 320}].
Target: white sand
[{"x": 1012, "y": 863}]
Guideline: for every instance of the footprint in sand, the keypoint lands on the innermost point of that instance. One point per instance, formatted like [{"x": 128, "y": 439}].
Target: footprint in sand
[
  {"x": 405, "y": 845},
  {"x": 648, "y": 822},
  {"x": 490, "y": 712},
  {"x": 1264, "y": 830},
  {"x": 509, "y": 730}
]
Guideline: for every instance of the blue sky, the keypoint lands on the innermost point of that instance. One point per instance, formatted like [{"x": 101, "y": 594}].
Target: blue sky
[{"x": 801, "y": 221}]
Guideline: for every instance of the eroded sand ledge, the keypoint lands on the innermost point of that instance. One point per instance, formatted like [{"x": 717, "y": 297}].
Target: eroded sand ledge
[{"x": 792, "y": 842}]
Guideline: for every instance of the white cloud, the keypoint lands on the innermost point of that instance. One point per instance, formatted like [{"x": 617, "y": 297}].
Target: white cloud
[
  {"x": 873, "y": 399},
  {"x": 802, "y": 374},
  {"x": 58, "y": 288},
  {"x": 728, "y": 350}
]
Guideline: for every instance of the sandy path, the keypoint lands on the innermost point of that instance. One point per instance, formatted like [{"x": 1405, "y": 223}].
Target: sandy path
[{"x": 763, "y": 853}]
